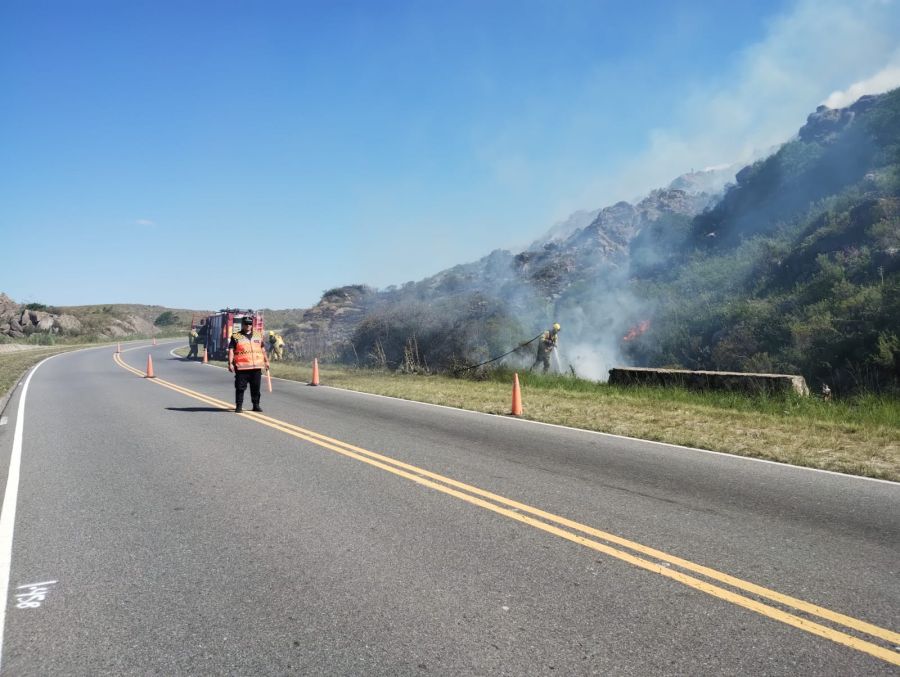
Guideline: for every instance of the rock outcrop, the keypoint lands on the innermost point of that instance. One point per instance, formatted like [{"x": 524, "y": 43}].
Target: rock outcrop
[
  {"x": 10, "y": 314},
  {"x": 826, "y": 123},
  {"x": 603, "y": 247},
  {"x": 326, "y": 328},
  {"x": 18, "y": 322}
]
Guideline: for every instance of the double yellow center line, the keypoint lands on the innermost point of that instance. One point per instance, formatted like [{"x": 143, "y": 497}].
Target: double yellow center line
[{"x": 633, "y": 553}]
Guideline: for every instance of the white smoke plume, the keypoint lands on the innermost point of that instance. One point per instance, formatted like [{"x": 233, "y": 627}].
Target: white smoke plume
[
  {"x": 812, "y": 48},
  {"x": 884, "y": 80}
]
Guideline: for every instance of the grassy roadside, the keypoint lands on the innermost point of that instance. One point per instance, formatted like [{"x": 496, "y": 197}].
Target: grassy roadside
[
  {"x": 860, "y": 437},
  {"x": 14, "y": 363},
  {"x": 16, "y": 358}
]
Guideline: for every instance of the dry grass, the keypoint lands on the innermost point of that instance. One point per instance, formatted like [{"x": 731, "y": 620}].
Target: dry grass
[
  {"x": 858, "y": 448},
  {"x": 14, "y": 363}
]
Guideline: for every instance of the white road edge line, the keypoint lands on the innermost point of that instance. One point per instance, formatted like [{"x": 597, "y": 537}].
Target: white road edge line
[{"x": 8, "y": 512}]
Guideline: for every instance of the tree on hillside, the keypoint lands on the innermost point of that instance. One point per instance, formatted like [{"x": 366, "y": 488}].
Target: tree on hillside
[{"x": 165, "y": 319}]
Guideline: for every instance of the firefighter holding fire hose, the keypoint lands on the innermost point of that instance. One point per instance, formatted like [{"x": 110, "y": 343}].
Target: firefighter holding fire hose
[
  {"x": 546, "y": 345},
  {"x": 246, "y": 359}
]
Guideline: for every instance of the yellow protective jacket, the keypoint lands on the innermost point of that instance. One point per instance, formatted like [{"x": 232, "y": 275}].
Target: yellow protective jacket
[
  {"x": 548, "y": 340},
  {"x": 248, "y": 352}
]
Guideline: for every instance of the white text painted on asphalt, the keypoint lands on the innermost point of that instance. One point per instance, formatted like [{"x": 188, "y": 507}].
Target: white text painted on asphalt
[{"x": 32, "y": 594}]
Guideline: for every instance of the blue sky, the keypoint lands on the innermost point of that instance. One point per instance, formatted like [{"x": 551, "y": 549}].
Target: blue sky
[{"x": 203, "y": 154}]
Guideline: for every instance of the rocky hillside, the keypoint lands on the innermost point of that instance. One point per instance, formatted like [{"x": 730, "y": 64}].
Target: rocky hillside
[
  {"x": 797, "y": 268},
  {"x": 515, "y": 291},
  {"x": 794, "y": 268},
  {"x": 21, "y": 321},
  {"x": 604, "y": 247},
  {"x": 17, "y": 321},
  {"x": 325, "y": 330}
]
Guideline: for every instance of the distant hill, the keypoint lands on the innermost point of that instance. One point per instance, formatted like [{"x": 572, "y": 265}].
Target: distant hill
[
  {"x": 94, "y": 322},
  {"x": 117, "y": 320}
]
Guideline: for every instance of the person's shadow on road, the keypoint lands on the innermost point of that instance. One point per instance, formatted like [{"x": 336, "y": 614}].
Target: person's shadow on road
[{"x": 192, "y": 409}]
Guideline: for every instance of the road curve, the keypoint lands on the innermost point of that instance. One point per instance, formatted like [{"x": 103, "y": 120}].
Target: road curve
[{"x": 156, "y": 532}]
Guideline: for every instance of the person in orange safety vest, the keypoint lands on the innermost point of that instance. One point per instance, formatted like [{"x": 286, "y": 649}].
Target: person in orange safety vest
[{"x": 246, "y": 359}]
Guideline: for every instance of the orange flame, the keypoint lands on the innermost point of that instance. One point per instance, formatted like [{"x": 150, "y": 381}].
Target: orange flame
[{"x": 636, "y": 330}]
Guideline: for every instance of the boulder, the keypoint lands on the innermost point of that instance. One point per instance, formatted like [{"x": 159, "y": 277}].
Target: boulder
[
  {"x": 140, "y": 326},
  {"x": 8, "y": 308},
  {"x": 44, "y": 320},
  {"x": 116, "y": 329},
  {"x": 67, "y": 323}
]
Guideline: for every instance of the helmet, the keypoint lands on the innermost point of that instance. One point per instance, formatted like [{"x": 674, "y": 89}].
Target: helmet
[
  {"x": 556, "y": 327},
  {"x": 271, "y": 333}
]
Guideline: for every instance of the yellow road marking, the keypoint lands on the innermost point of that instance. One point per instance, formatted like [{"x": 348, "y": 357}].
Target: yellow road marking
[{"x": 456, "y": 489}]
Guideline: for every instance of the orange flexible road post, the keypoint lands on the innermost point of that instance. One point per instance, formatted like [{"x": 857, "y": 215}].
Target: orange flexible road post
[
  {"x": 154, "y": 340},
  {"x": 205, "y": 357},
  {"x": 315, "y": 376},
  {"x": 516, "y": 397},
  {"x": 150, "y": 367},
  {"x": 269, "y": 379},
  {"x": 118, "y": 347}
]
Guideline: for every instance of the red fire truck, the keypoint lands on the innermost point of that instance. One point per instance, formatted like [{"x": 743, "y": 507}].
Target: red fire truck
[{"x": 215, "y": 330}]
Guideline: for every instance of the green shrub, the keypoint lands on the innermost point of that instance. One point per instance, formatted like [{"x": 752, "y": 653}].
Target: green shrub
[{"x": 165, "y": 319}]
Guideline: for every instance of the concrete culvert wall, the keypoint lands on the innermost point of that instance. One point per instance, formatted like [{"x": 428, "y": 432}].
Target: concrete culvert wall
[{"x": 710, "y": 380}]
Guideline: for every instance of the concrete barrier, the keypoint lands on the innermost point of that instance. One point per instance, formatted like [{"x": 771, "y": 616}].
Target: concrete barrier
[{"x": 710, "y": 380}]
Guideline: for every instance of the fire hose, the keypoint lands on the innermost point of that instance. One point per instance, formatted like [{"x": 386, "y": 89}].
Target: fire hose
[{"x": 494, "y": 359}]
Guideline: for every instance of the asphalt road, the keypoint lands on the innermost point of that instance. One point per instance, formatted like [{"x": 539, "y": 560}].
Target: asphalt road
[{"x": 348, "y": 534}]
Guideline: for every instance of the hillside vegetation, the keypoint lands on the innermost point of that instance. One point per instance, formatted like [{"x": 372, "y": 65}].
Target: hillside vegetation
[
  {"x": 794, "y": 269},
  {"x": 797, "y": 268}
]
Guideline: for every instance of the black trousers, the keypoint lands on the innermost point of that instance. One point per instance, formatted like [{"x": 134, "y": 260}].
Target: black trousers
[{"x": 242, "y": 378}]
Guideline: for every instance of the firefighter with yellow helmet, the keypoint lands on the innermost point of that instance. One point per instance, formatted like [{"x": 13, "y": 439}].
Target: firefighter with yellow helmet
[
  {"x": 546, "y": 345},
  {"x": 276, "y": 346},
  {"x": 193, "y": 342}
]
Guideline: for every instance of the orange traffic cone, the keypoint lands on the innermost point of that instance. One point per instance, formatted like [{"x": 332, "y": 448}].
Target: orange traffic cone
[
  {"x": 269, "y": 379},
  {"x": 150, "y": 367},
  {"x": 315, "y": 378},
  {"x": 205, "y": 357},
  {"x": 516, "y": 397}
]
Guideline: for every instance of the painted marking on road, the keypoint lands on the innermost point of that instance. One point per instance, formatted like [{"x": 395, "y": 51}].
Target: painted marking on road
[
  {"x": 3, "y": 420},
  {"x": 552, "y": 524},
  {"x": 33, "y": 595}
]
